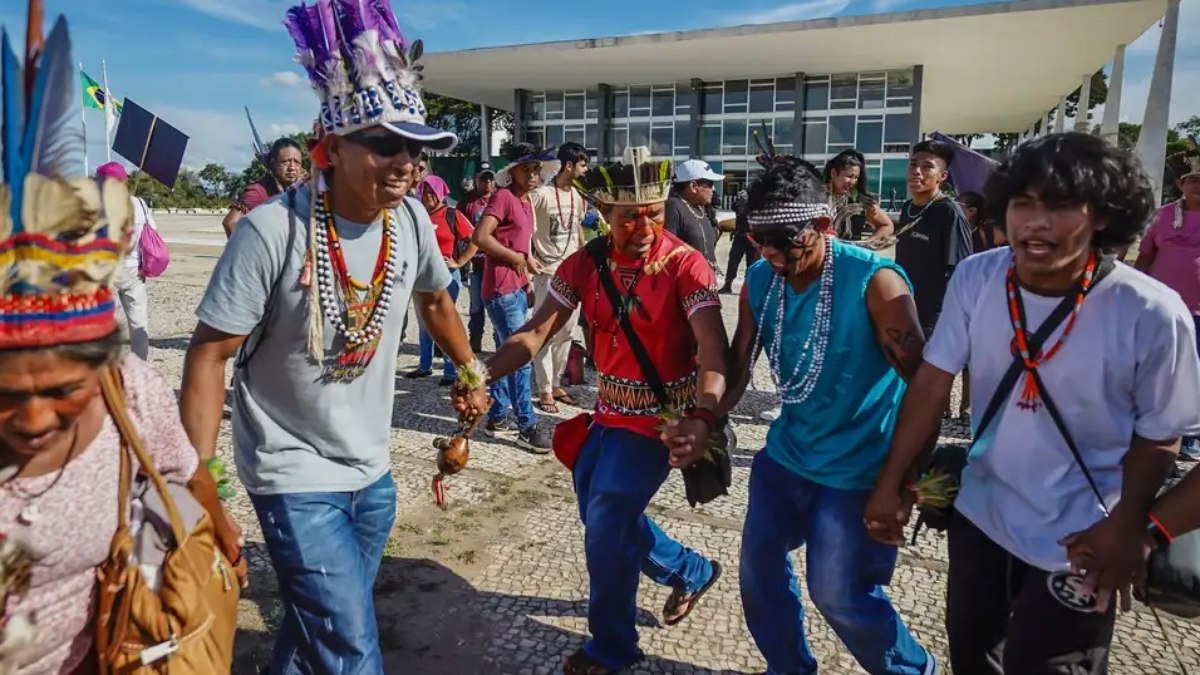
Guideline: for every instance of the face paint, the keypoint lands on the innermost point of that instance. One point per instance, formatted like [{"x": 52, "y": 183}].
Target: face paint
[{"x": 635, "y": 229}]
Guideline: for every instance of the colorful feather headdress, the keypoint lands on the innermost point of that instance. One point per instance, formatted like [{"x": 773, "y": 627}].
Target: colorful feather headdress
[
  {"x": 635, "y": 180},
  {"x": 62, "y": 234},
  {"x": 363, "y": 69}
]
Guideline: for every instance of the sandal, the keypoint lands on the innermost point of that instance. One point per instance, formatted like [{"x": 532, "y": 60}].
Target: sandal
[
  {"x": 550, "y": 408},
  {"x": 582, "y": 663},
  {"x": 677, "y": 599},
  {"x": 566, "y": 399}
]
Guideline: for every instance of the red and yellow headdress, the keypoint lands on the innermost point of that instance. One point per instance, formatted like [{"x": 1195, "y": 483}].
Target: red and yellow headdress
[{"x": 62, "y": 235}]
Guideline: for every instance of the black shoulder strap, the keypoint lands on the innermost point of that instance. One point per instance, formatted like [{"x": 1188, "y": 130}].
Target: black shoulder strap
[
  {"x": 598, "y": 249},
  {"x": 1036, "y": 341},
  {"x": 452, "y": 221},
  {"x": 259, "y": 334}
]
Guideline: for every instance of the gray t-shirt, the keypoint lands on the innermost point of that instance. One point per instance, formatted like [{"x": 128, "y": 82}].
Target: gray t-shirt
[{"x": 293, "y": 431}]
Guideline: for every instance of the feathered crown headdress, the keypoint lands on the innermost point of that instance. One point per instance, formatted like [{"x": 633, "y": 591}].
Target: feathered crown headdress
[
  {"x": 1186, "y": 163},
  {"x": 363, "y": 69},
  {"x": 636, "y": 180},
  {"x": 61, "y": 233}
]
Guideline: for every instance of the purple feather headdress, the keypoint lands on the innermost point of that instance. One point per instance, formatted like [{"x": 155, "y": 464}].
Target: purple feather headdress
[{"x": 362, "y": 67}]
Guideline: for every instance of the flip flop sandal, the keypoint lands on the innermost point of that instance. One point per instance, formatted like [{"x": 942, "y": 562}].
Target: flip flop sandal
[
  {"x": 566, "y": 399},
  {"x": 581, "y": 663},
  {"x": 548, "y": 408},
  {"x": 677, "y": 599}
]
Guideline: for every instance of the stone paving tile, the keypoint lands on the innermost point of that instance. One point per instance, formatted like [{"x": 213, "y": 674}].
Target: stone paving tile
[{"x": 532, "y": 592}]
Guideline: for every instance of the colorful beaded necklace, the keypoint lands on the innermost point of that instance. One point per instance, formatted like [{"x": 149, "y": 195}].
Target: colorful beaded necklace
[
  {"x": 1030, "y": 397},
  {"x": 356, "y": 310},
  {"x": 799, "y": 385}
]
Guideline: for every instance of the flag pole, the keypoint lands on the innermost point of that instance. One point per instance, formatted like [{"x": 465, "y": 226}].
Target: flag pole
[
  {"x": 87, "y": 169},
  {"x": 108, "y": 110}
]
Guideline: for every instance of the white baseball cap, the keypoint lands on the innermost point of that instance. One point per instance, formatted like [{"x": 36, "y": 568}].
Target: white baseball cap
[{"x": 696, "y": 169}]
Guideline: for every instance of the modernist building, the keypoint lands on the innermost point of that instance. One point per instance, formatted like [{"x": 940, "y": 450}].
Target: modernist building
[{"x": 876, "y": 83}]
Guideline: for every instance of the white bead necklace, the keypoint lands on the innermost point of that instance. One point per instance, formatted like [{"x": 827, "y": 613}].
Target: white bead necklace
[
  {"x": 800, "y": 385},
  {"x": 328, "y": 289}
]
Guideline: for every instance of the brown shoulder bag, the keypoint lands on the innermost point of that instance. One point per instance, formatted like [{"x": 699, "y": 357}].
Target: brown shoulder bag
[{"x": 183, "y": 621}]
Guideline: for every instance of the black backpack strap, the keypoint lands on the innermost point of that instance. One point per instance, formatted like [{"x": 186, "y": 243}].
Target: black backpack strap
[
  {"x": 258, "y": 335},
  {"x": 598, "y": 250}
]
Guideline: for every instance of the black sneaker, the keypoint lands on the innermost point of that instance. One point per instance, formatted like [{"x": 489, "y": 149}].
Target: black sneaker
[
  {"x": 418, "y": 374},
  {"x": 496, "y": 427},
  {"x": 446, "y": 381},
  {"x": 477, "y": 345},
  {"x": 534, "y": 440}
]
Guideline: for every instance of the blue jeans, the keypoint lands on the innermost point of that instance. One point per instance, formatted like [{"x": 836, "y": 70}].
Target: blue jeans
[
  {"x": 329, "y": 608},
  {"x": 616, "y": 474},
  {"x": 846, "y": 569},
  {"x": 508, "y": 313},
  {"x": 425, "y": 343},
  {"x": 475, "y": 323},
  {"x": 1191, "y": 444}
]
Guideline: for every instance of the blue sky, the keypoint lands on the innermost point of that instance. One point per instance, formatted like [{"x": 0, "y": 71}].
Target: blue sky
[{"x": 197, "y": 62}]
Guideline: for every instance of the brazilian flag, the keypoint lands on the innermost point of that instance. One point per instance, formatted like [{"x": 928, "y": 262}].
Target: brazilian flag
[{"x": 93, "y": 94}]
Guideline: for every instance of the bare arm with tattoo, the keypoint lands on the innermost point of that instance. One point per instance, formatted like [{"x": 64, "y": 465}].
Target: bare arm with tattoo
[{"x": 894, "y": 314}]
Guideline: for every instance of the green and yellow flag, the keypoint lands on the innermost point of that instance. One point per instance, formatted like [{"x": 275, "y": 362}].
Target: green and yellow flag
[{"x": 93, "y": 92}]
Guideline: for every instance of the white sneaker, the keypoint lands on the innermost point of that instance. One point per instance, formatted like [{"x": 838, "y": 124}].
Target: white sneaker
[{"x": 770, "y": 415}]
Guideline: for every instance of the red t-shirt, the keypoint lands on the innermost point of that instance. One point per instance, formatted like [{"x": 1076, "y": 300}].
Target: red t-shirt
[
  {"x": 669, "y": 285},
  {"x": 445, "y": 233},
  {"x": 257, "y": 192},
  {"x": 514, "y": 232}
]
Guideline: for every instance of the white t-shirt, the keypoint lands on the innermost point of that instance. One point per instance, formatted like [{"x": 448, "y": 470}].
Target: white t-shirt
[
  {"x": 1128, "y": 367},
  {"x": 141, "y": 218},
  {"x": 558, "y": 224}
]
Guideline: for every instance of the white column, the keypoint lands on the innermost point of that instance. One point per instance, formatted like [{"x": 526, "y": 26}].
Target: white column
[
  {"x": 1048, "y": 122},
  {"x": 485, "y": 134},
  {"x": 1060, "y": 117},
  {"x": 1082, "y": 112},
  {"x": 1111, "y": 126},
  {"x": 1152, "y": 142}
]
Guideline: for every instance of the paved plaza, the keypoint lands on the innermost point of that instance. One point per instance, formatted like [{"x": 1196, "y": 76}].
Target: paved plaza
[{"x": 498, "y": 583}]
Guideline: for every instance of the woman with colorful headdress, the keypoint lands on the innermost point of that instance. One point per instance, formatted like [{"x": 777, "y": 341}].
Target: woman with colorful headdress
[
  {"x": 618, "y": 457},
  {"x": 62, "y": 237}
]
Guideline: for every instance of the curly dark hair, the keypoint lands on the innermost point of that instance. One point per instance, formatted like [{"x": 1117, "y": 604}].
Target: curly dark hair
[
  {"x": 1072, "y": 169},
  {"x": 790, "y": 179}
]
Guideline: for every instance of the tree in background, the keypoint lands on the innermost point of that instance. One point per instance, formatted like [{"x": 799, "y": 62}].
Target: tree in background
[{"x": 463, "y": 118}]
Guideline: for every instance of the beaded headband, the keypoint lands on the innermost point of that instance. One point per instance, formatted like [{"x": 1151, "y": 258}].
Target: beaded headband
[
  {"x": 787, "y": 213},
  {"x": 61, "y": 235}
]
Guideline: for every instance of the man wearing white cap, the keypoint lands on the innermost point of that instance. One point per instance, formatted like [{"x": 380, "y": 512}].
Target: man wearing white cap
[{"x": 689, "y": 208}]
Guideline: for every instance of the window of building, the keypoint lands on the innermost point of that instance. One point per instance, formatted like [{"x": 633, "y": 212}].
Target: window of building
[
  {"x": 898, "y": 128},
  {"x": 733, "y": 141},
  {"x": 785, "y": 140},
  {"x": 662, "y": 139},
  {"x": 869, "y": 139},
  {"x": 591, "y": 139},
  {"x": 639, "y": 134},
  {"x": 663, "y": 101},
  {"x": 711, "y": 98},
  {"x": 736, "y": 93},
  {"x": 620, "y": 139},
  {"x": 785, "y": 94},
  {"x": 843, "y": 92},
  {"x": 536, "y": 107},
  {"x": 815, "y": 132},
  {"x": 900, "y": 88},
  {"x": 620, "y": 108},
  {"x": 816, "y": 94},
  {"x": 762, "y": 96},
  {"x": 554, "y": 105},
  {"x": 639, "y": 101},
  {"x": 554, "y": 135},
  {"x": 893, "y": 181},
  {"x": 683, "y": 138},
  {"x": 841, "y": 132},
  {"x": 683, "y": 99},
  {"x": 710, "y": 139},
  {"x": 593, "y": 101},
  {"x": 575, "y": 105},
  {"x": 871, "y": 92}
]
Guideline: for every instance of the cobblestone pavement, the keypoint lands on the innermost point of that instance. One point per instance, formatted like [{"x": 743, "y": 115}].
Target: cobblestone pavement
[{"x": 498, "y": 583}]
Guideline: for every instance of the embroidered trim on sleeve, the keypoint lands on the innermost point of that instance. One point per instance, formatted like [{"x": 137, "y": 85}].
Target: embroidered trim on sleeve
[
  {"x": 697, "y": 300},
  {"x": 563, "y": 292}
]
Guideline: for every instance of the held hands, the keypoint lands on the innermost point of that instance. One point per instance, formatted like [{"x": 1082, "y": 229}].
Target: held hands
[
  {"x": 469, "y": 402},
  {"x": 534, "y": 266},
  {"x": 451, "y": 264},
  {"x": 687, "y": 440},
  {"x": 230, "y": 541},
  {"x": 887, "y": 512},
  {"x": 1111, "y": 555}
]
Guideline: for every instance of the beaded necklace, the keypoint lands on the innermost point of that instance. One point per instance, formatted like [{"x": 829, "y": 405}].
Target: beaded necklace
[
  {"x": 560, "y": 252},
  {"x": 1030, "y": 397},
  {"x": 800, "y": 385},
  {"x": 355, "y": 309}
]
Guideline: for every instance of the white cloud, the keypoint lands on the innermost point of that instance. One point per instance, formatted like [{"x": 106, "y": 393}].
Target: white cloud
[
  {"x": 795, "y": 11},
  {"x": 281, "y": 130},
  {"x": 263, "y": 14},
  {"x": 286, "y": 78}
]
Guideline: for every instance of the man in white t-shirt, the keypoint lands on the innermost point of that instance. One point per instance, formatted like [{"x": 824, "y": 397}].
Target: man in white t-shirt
[
  {"x": 558, "y": 210},
  {"x": 129, "y": 284},
  {"x": 1120, "y": 369}
]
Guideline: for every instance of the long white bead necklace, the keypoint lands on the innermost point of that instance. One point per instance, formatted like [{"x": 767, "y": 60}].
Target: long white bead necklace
[
  {"x": 800, "y": 385},
  {"x": 328, "y": 287}
]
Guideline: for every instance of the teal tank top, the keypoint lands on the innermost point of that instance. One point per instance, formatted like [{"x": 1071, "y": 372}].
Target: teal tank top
[{"x": 839, "y": 436}]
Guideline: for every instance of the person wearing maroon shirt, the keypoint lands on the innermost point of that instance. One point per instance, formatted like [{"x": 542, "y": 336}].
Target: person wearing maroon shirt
[
  {"x": 676, "y": 314},
  {"x": 504, "y": 234},
  {"x": 285, "y": 164},
  {"x": 453, "y": 232},
  {"x": 473, "y": 204}
]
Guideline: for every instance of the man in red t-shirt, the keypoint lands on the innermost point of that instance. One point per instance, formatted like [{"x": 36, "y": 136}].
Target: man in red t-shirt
[
  {"x": 504, "y": 233},
  {"x": 285, "y": 164},
  {"x": 669, "y": 291},
  {"x": 453, "y": 232}
]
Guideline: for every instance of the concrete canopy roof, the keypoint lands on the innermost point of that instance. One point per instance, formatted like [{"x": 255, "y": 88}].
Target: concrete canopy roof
[{"x": 987, "y": 68}]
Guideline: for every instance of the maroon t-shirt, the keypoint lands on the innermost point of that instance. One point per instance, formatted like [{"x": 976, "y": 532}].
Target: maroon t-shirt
[
  {"x": 257, "y": 192},
  {"x": 515, "y": 233}
]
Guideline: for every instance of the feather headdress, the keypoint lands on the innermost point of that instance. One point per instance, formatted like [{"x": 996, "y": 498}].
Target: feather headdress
[
  {"x": 636, "y": 180},
  {"x": 363, "y": 68},
  {"x": 61, "y": 233}
]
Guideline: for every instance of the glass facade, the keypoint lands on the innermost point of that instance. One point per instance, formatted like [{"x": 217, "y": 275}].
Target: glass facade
[{"x": 870, "y": 111}]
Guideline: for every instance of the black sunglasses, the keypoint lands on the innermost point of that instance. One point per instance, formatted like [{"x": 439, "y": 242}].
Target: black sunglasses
[
  {"x": 780, "y": 240},
  {"x": 385, "y": 145}
]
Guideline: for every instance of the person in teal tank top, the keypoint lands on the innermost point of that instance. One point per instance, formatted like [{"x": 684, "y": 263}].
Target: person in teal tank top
[{"x": 839, "y": 327}]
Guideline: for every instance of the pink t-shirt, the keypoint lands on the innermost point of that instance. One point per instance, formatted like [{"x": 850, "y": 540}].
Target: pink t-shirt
[
  {"x": 1176, "y": 253},
  {"x": 515, "y": 232}
]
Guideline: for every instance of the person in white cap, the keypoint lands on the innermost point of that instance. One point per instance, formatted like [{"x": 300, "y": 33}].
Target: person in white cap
[{"x": 690, "y": 215}]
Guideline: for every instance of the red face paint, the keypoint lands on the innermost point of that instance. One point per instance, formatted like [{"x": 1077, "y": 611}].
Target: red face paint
[{"x": 636, "y": 228}]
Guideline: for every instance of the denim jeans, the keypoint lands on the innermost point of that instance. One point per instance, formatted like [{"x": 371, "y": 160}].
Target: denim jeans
[
  {"x": 329, "y": 609},
  {"x": 508, "y": 313},
  {"x": 616, "y": 474},
  {"x": 846, "y": 569},
  {"x": 475, "y": 323},
  {"x": 425, "y": 343},
  {"x": 1191, "y": 444}
]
